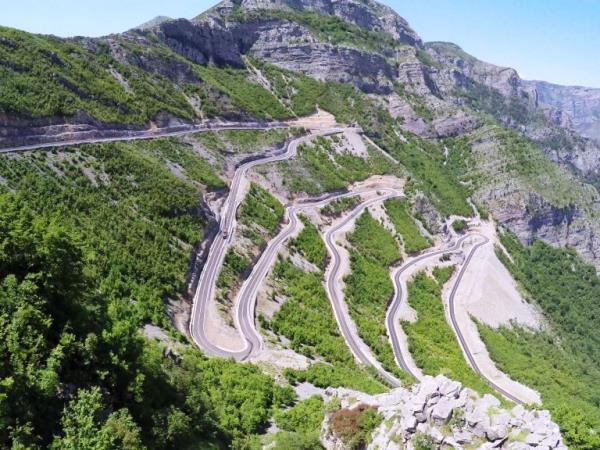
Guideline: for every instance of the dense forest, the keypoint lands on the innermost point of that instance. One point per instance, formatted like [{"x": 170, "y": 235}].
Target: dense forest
[{"x": 92, "y": 240}]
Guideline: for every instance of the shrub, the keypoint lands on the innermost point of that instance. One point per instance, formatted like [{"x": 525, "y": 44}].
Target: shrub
[
  {"x": 459, "y": 225},
  {"x": 354, "y": 426},
  {"x": 431, "y": 341},
  {"x": 398, "y": 210}
]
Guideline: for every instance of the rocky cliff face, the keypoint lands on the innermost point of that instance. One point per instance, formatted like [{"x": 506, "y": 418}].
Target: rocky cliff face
[
  {"x": 580, "y": 105},
  {"x": 440, "y": 413},
  {"x": 434, "y": 90},
  {"x": 367, "y": 14}
]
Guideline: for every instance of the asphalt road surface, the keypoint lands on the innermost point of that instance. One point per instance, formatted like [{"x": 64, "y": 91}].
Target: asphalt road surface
[
  {"x": 244, "y": 311},
  {"x": 246, "y": 300},
  {"x": 358, "y": 348},
  {"x": 205, "y": 290},
  {"x": 392, "y": 318},
  {"x": 461, "y": 338},
  {"x": 135, "y": 135}
]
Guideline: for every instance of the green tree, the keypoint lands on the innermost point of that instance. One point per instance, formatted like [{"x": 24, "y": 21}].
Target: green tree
[{"x": 87, "y": 426}]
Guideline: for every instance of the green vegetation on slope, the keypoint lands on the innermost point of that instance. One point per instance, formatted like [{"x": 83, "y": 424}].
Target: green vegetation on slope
[
  {"x": 243, "y": 141},
  {"x": 92, "y": 241},
  {"x": 459, "y": 225},
  {"x": 431, "y": 341},
  {"x": 564, "y": 286},
  {"x": 260, "y": 213},
  {"x": 337, "y": 31},
  {"x": 305, "y": 416},
  {"x": 45, "y": 76},
  {"x": 138, "y": 221},
  {"x": 567, "y": 381},
  {"x": 562, "y": 364},
  {"x": 172, "y": 153},
  {"x": 302, "y": 94},
  {"x": 369, "y": 286},
  {"x": 519, "y": 160},
  {"x": 232, "y": 270},
  {"x": 318, "y": 168},
  {"x": 398, "y": 210},
  {"x": 309, "y": 244},
  {"x": 251, "y": 97},
  {"x": 425, "y": 161},
  {"x": 337, "y": 207},
  {"x": 373, "y": 241},
  {"x": 301, "y": 425},
  {"x": 306, "y": 319},
  {"x": 327, "y": 28}
]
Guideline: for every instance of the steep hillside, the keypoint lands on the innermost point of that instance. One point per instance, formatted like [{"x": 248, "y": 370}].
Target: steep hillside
[
  {"x": 263, "y": 59},
  {"x": 414, "y": 146},
  {"x": 581, "y": 105}
]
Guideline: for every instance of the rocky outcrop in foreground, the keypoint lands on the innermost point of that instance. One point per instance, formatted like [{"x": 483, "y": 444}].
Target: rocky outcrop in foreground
[{"x": 440, "y": 413}]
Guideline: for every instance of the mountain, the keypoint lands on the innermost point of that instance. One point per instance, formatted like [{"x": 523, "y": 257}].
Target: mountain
[
  {"x": 580, "y": 104},
  {"x": 153, "y": 22},
  {"x": 102, "y": 243},
  {"x": 159, "y": 75}
]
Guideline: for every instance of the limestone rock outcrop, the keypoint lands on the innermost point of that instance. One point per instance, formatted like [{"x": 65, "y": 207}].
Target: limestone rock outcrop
[{"x": 447, "y": 415}]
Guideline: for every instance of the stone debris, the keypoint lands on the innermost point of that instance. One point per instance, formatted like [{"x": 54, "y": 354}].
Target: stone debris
[{"x": 449, "y": 416}]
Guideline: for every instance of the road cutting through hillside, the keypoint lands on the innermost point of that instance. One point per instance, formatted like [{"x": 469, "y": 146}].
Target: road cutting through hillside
[
  {"x": 392, "y": 316},
  {"x": 244, "y": 307},
  {"x": 333, "y": 277},
  {"x": 461, "y": 338},
  {"x": 392, "y": 319},
  {"x": 321, "y": 120},
  {"x": 138, "y": 135},
  {"x": 205, "y": 291},
  {"x": 246, "y": 299}
]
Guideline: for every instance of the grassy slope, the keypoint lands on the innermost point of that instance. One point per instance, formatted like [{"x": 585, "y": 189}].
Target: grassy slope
[
  {"x": 431, "y": 341},
  {"x": 369, "y": 286}
]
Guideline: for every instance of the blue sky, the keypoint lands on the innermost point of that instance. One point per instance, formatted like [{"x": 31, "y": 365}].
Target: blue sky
[{"x": 553, "y": 40}]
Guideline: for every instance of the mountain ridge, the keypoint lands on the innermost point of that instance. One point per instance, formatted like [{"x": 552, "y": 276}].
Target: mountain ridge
[
  {"x": 181, "y": 71},
  {"x": 271, "y": 127}
]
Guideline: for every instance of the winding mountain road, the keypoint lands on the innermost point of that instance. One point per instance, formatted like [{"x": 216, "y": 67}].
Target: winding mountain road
[
  {"x": 246, "y": 298},
  {"x": 336, "y": 296},
  {"x": 244, "y": 307},
  {"x": 205, "y": 291},
  {"x": 392, "y": 317},
  {"x": 463, "y": 343}
]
